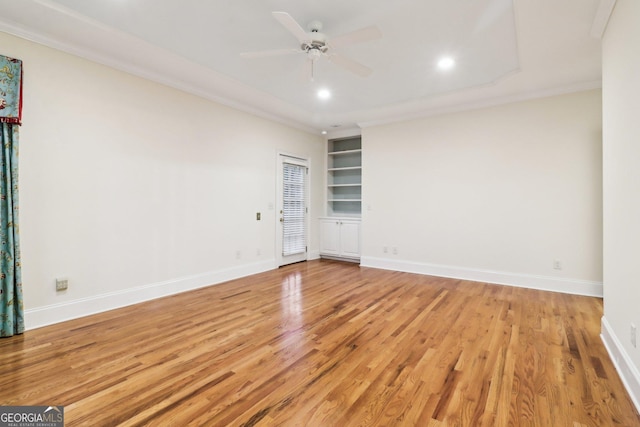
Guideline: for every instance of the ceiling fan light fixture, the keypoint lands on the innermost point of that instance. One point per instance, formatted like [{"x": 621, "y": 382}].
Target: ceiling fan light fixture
[
  {"x": 446, "y": 63},
  {"x": 314, "y": 54}
]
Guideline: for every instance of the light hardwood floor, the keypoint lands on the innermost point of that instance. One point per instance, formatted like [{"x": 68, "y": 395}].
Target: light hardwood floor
[{"x": 326, "y": 343}]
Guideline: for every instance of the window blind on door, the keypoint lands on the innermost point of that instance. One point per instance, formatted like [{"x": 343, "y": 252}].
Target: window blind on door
[{"x": 294, "y": 209}]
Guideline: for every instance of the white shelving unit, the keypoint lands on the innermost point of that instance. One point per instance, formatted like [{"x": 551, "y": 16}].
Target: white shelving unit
[
  {"x": 344, "y": 177},
  {"x": 340, "y": 229}
]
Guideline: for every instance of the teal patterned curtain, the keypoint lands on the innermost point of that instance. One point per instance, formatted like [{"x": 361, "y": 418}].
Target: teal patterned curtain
[{"x": 11, "y": 305}]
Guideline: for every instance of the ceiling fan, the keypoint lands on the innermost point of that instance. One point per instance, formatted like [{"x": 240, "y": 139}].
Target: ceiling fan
[{"x": 315, "y": 44}]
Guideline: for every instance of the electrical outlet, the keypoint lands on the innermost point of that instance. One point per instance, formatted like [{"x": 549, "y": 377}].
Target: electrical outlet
[
  {"x": 385, "y": 249},
  {"x": 395, "y": 250},
  {"x": 258, "y": 216},
  {"x": 557, "y": 264},
  {"x": 634, "y": 334},
  {"x": 238, "y": 254},
  {"x": 62, "y": 284}
]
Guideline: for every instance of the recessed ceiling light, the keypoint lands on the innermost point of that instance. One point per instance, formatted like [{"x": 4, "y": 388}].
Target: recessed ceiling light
[
  {"x": 446, "y": 63},
  {"x": 324, "y": 132},
  {"x": 324, "y": 94}
]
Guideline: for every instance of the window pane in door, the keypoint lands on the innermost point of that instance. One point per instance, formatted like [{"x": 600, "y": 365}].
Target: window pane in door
[{"x": 294, "y": 210}]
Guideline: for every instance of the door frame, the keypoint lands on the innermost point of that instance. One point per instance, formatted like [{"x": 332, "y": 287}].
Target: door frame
[{"x": 295, "y": 159}]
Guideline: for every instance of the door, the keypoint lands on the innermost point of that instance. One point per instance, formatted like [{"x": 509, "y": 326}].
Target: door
[
  {"x": 350, "y": 239},
  {"x": 292, "y": 219},
  {"x": 330, "y": 237}
]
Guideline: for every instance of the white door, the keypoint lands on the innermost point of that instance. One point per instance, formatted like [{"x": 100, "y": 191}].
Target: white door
[
  {"x": 330, "y": 237},
  {"x": 350, "y": 239},
  {"x": 292, "y": 219}
]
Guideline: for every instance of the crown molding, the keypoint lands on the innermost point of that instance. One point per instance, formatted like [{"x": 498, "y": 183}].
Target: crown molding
[
  {"x": 144, "y": 60},
  {"x": 209, "y": 85},
  {"x": 483, "y": 103}
]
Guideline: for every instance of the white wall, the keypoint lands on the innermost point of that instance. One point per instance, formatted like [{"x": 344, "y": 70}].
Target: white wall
[
  {"x": 495, "y": 194},
  {"x": 132, "y": 190},
  {"x": 621, "y": 179}
]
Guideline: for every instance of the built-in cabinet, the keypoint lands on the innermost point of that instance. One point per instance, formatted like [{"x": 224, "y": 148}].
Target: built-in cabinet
[
  {"x": 340, "y": 238},
  {"x": 340, "y": 229}
]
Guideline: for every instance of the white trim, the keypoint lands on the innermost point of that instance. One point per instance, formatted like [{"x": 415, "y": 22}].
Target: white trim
[
  {"x": 627, "y": 371},
  {"x": 601, "y": 18},
  {"x": 544, "y": 283},
  {"x": 311, "y": 255},
  {"x": 341, "y": 258},
  {"x": 55, "y": 313}
]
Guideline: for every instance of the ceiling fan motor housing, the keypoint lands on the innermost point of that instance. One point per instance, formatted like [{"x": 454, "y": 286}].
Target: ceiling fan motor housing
[{"x": 316, "y": 46}]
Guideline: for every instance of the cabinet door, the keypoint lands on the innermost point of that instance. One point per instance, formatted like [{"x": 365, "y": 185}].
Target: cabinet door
[
  {"x": 350, "y": 239},
  {"x": 330, "y": 237}
]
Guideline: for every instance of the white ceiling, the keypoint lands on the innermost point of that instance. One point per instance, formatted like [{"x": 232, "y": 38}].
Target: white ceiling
[{"x": 505, "y": 50}]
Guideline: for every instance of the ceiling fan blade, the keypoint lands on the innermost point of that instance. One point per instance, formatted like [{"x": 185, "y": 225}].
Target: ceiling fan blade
[
  {"x": 350, "y": 65},
  {"x": 273, "y": 52},
  {"x": 358, "y": 36},
  {"x": 291, "y": 25}
]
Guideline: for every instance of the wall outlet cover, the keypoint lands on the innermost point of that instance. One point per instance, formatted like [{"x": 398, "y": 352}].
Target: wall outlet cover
[{"x": 62, "y": 284}]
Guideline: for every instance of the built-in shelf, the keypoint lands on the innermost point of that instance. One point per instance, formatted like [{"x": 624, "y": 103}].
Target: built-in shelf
[
  {"x": 349, "y": 168},
  {"x": 343, "y": 152},
  {"x": 344, "y": 177}
]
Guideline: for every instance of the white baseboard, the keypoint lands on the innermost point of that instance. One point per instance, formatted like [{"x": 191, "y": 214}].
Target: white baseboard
[
  {"x": 55, "y": 313},
  {"x": 311, "y": 255},
  {"x": 340, "y": 258},
  {"x": 545, "y": 283},
  {"x": 627, "y": 371}
]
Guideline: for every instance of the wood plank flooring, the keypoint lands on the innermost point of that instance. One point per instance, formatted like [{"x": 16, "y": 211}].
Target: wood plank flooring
[{"x": 326, "y": 343}]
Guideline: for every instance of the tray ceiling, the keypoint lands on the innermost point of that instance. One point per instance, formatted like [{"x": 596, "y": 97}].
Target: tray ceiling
[{"x": 503, "y": 50}]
